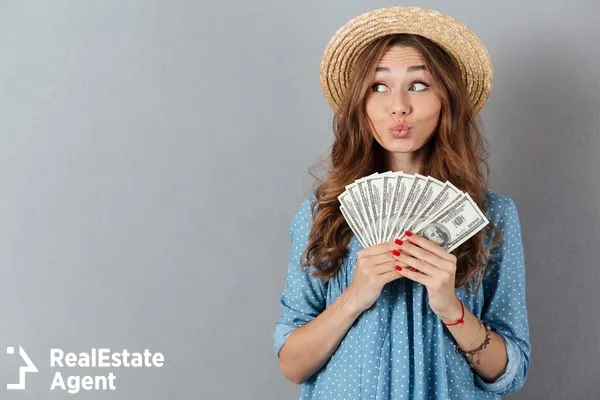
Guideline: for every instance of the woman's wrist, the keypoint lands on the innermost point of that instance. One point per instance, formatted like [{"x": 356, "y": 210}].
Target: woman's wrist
[
  {"x": 347, "y": 303},
  {"x": 454, "y": 314}
]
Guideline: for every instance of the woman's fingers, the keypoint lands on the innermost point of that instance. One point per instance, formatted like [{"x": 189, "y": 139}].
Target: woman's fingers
[
  {"x": 417, "y": 264},
  {"x": 395, "y": 255},
  {"x": 425, "y": 257},
  {"x": 389, "y": 276},
  {"x": 377, "y": 250},
  {"x": 429, "y": 246},
  {"x": 416, "y": 276},
  {"x": 387, "y": 267}
]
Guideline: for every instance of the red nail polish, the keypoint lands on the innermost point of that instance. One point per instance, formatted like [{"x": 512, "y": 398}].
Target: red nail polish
[
  {"x": 412, "y": 269},
  {"x": 396, "y": 253},
  {"x": 408, "y": 233},
  {"x": 399, "y": 268},
  {"x": 398, "y": 242}
]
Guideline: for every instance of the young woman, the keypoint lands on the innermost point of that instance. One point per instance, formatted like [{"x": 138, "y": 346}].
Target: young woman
[{"x": 405, "y": 319}]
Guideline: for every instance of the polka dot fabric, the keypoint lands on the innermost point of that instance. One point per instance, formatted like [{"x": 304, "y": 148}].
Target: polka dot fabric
[{"x": 398, "y": 348}]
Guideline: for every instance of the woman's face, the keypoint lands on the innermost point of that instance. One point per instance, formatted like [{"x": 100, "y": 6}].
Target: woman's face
[{"x": 402, "y": 92}]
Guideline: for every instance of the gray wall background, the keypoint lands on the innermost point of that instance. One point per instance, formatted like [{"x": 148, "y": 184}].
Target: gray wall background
[{"x": 152, "y": 154}]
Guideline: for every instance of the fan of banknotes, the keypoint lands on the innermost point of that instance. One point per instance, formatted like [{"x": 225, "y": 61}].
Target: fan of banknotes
[{"x": 381, "y": 207}]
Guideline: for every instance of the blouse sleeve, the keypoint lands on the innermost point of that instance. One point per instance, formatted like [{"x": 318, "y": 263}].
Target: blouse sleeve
[
  {"x": 505, "y": 307},
  {"x": 303, "y": 297}
]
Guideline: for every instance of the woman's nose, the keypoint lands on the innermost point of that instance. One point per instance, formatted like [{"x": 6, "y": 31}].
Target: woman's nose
[{"x": 400, "y": 103}]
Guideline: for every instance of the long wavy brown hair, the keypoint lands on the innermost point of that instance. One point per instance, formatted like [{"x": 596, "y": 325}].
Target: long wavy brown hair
[{"x": 457, "y": 152}]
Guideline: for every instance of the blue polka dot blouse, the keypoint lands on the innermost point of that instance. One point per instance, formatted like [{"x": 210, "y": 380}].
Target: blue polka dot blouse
[{"x": 398, "y": 348}]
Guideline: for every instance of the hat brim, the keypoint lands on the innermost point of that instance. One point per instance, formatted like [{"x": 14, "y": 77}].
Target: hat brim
[{"x": 450, "y": 34}]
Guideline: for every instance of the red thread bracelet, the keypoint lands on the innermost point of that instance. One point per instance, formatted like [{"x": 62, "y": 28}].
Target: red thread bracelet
[{"x": 461, "y": 320}]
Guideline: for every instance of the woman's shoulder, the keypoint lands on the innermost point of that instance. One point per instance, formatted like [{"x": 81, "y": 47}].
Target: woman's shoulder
[
  {"x": 304, "y": 208},
  {"x": 499, "y": 204},
  {"x": 303, "y": 218}
]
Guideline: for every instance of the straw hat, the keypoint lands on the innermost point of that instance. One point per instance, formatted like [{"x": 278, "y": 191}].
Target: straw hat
[{"x": 454, "y": 37}]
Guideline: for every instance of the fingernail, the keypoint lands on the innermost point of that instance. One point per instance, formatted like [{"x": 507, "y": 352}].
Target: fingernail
[
  {"x": 396, "y": 253},
  {"x": 412, "y": 269},
  {"x": 408, "y": 233},
  {"x": 398, "y": 268},
  {"x": 398, "y": 242}
]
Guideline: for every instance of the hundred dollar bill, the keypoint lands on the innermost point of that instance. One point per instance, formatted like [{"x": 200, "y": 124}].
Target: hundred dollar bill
[
  {"x": 455, "y": 225},
  {"x": 403, "y": 184},
  {"x": 354, "y": 192},
  {"x": 354, "y": 227},
  {"x": 374, "y": 189},
  {"x": 445, "y": 197},
  {"x": 430, "y": 191},
  {"x": 389, "y": 180},
  {"x": 415, "y": 190},
  {"x": 352, "y": 214},
  {"x": 364, "y": 198}
]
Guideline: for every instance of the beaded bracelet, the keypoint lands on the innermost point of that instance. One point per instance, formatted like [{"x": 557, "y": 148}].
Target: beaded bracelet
[{"x": 471, "y": 353}]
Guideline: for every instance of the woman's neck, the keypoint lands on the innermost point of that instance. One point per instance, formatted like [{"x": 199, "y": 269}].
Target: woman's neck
[{"x": 409, "y": 163}]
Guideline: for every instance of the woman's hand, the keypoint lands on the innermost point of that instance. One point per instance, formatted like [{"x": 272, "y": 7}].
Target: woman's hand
[
  {"x": 433, "y": 267},
  {"x": 375, "y": 266}
]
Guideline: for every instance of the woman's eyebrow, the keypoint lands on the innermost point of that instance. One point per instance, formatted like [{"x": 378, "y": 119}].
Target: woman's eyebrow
[{"x": 409, "y": 69}]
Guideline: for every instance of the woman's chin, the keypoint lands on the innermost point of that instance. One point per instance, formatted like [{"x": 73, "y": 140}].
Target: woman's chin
[{"x": 399, "y": 147}]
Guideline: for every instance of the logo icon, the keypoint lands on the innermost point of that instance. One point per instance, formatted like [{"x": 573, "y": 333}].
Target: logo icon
[{"x": 22, "y": 370}]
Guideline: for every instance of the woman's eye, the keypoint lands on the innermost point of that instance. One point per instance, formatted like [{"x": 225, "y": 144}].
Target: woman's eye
[
  {"x": 415, "y": 87},
  {"x": 375, "y": 86},
  {"x": 420, "y": 86}
]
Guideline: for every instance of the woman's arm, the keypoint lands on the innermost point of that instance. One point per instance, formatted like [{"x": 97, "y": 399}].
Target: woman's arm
[
  {"x": 493, "y": 359},
  {"x": 504, "y": 309},
  {"x": 308, "y": 331},
  {"x": 309, "y": 347}
]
